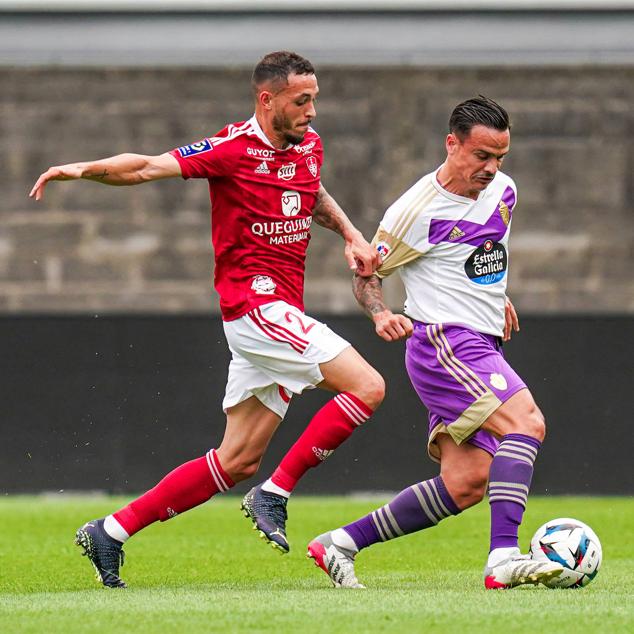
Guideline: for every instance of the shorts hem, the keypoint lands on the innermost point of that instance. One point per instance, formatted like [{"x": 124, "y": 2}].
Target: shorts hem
[
  {"x": 465, "y": 435},
  {"x": 281, "y": 411}
]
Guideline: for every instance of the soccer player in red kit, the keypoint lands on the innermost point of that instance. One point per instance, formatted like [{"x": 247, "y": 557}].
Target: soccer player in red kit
[{"x": 265, "y": 193}]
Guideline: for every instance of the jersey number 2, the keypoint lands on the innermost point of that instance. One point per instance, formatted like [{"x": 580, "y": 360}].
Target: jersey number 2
[{"x": 290, "y": 317}]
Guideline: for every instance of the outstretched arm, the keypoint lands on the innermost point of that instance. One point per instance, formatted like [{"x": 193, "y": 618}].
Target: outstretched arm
[
  {"x": 368, "y": 291},
  {"x": 123, "y": 169},
  {"x": 361, "y": 257}
]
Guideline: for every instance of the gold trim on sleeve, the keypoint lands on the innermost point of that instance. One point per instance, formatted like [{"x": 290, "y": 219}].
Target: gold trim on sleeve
[{"x": 399, "y": 253}]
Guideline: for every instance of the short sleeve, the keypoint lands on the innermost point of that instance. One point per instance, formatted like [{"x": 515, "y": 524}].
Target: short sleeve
[
  {"x": 394, "y": 252},
  {"x": 204, "y": 159},
  {"x": 402, "y": 236}
]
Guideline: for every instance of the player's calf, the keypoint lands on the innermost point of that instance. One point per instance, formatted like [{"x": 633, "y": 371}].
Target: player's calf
[{"x": 468, "y": 489}]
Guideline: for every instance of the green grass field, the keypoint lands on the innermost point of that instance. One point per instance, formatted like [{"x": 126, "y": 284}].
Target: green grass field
[{"x": 206, "y": 571}]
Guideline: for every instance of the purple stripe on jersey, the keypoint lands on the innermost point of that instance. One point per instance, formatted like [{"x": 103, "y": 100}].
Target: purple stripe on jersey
[{"x": 472, "y": 232}]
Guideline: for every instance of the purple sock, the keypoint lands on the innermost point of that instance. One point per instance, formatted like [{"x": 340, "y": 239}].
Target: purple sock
[
  {"x": 420, "y": 506},
  {"x": 509, "y": 482}
]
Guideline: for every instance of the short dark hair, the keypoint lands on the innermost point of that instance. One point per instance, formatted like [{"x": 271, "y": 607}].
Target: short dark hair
[
  {"x": 277, "y": 66},
  {"x": 478, "y": 111}
]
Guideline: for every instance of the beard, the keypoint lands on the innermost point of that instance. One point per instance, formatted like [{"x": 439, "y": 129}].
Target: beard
[{"x": 282, "y": 125}]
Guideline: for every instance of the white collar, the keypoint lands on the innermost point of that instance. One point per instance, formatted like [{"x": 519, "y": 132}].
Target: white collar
[{"x": 260, "y": 134}]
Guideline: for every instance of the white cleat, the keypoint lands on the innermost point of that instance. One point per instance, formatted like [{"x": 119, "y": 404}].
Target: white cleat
[
  {"x": 335, "y": 561},
  {"x": 519, "y": 570}
]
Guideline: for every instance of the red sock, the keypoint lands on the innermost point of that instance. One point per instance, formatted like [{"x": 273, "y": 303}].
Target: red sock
[
  {"x": 184, "y": 488},
  {"x": 332, "y": 424}
]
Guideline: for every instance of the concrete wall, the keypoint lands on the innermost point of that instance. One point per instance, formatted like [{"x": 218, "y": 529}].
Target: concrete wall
[{"x": 93, "y": 249}]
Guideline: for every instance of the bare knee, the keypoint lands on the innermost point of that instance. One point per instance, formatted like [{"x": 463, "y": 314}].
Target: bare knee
[
  {"x": 241, "y": 467},
  {"x": 467, "y": 491},
  {"x": 370, "y": 388},
  {"x": 534, "y": 424},
  {"x": 241, "y": 470},
  {"x": 518, "y": 415}
]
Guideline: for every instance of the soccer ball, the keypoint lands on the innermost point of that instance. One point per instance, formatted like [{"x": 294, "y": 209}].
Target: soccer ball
[{"x": 572, "y": 544}]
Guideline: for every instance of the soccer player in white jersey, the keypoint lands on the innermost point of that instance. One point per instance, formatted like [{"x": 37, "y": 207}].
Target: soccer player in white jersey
[
  {"x": 265, "y": 189},
  {"x": 448, "y": 237}
]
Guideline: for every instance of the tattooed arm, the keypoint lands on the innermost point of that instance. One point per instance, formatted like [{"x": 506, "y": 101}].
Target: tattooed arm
[
  {"x": 361, "y": 257},
  {"x": 123, "y": 169},
  {"x": 368, "y": 291}
]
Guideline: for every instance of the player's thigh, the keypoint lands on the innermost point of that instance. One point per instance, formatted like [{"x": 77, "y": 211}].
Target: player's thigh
[
  {"x": 460, "y": 375},
  {"x": 350, "y": 372},
  {"x": 250, "y": 427},
  {"x": 245, "y": 380},
  {"x": 464, "y": 469},
  {"x": 518, "y": 415},
  {"x": 284, "y": 344}
]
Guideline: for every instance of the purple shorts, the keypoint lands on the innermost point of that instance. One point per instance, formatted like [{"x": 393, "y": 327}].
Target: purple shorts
[{"x": 462, "y": 378}]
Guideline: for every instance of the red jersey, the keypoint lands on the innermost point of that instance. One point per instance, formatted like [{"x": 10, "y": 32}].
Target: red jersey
[{"x": 262, "y": 201}]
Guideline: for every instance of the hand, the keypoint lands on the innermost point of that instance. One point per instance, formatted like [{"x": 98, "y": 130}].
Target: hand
[
  {"x": 362, "y": 258},
  {"x": 511, "y": 321},
  {"x": 58, "y": 173},
  {"x": 392, "y": 327}
]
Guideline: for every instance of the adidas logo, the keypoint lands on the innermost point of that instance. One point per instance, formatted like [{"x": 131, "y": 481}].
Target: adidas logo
[
  {"x": 322, "y": 454},
  {"x": 456, "y": 233},
  {"x": 262, "y": 168}
]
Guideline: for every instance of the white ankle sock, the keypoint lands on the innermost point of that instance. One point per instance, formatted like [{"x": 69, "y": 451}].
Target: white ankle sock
[
  {"x": 271, "y": 487},
  {"x": 115, "y": 530},
  {"x": 500, "y": 554},
  {"x": 343, "y": 540}
]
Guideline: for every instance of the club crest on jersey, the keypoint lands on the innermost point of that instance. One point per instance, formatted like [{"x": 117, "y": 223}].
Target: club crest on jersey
[
  {"x": 384, "y": 249},
  {"x": 195, "y": 148},
  {"x": 505, "y": 213},
  {"x": 286, "y": 172},
  {"x": 263, "y": 285},
  {"x": 291, "y": 203},
  {"x": 313, "y": 168}
]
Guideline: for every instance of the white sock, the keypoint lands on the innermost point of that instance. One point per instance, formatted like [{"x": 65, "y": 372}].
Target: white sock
[
  {"x": 500, "y": 554},
  {"x": 343, "y": 540},
  {"x": 115, "y": 530},
  {"x": 271, "y": 487}
]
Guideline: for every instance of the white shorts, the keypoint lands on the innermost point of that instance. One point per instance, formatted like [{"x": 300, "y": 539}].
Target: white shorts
[{"x": 276, "y": 351}]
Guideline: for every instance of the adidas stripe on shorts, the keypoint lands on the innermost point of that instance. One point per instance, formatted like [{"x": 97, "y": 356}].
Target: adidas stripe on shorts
[
  {"x": 462, "y": 377},
  {"x": 276, "y": 351}
]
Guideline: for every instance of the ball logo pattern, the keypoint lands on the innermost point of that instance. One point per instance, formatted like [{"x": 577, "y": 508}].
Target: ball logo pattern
[{"x": 572, "y": 544}]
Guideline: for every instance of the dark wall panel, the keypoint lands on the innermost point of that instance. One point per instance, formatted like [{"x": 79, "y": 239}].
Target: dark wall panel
[{"x": 114, "y": 403}]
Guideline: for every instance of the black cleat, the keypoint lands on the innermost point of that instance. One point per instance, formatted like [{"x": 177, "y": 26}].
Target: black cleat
[
  {"x": 105, "y": 553},
  {"x": 268, "y": 514}
]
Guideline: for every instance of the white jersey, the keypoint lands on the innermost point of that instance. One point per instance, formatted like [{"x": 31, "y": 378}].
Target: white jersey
[{"x": 451, "y": 252}]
